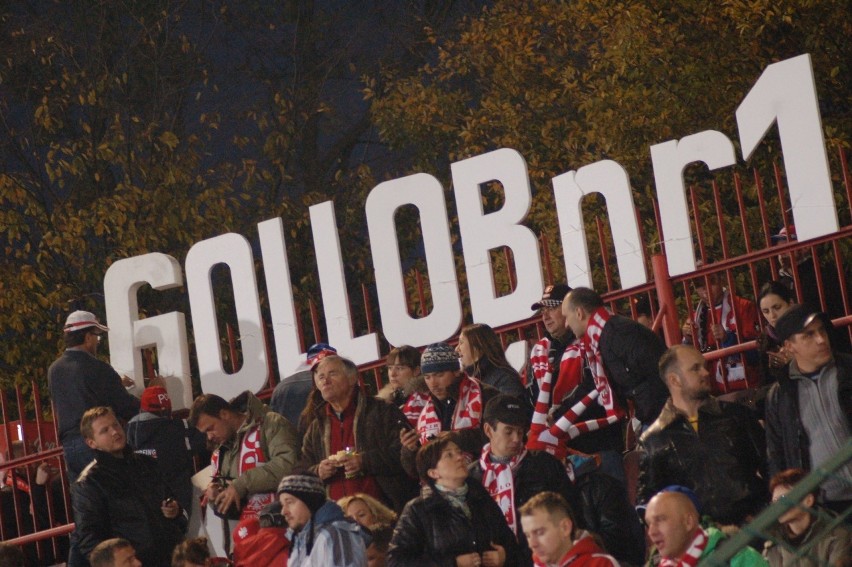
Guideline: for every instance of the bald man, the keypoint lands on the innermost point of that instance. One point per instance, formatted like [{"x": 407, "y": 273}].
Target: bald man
[{"x": 674, "y": 529}]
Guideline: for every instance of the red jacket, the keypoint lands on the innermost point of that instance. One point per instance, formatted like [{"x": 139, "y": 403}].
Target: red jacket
[{"x": 584, "y": 553}]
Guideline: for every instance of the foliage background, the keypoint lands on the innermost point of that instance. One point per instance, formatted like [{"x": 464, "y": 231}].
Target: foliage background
[{"x": 134, "y": 126}]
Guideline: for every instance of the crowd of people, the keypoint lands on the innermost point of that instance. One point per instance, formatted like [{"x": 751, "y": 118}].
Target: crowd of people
[{"x": 461, "y": 460}]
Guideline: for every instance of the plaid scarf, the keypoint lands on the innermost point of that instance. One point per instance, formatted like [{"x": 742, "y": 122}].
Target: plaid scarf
[
  {"x": 568, "y": 426},
  {"x": 467, "y": 414},
  {"x": 499, "y": 480},
  {"x": 693, "y": 552}
]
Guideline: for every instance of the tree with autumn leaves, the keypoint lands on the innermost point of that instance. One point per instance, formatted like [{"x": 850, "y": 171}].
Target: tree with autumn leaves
[{"x": 149, "y": 125}]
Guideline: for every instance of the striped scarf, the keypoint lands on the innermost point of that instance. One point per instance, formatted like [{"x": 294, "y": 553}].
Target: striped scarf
[
  {"x": 727, "y": 318},
  {"x": 540, "y": 361},
  {"x": 693, "y": 552},
  {"x": 499, "y": 480},
  {"x": 568, "y": 426},
  {"x": 467, "y": 414},
  {"x": 414, "y": 406}
]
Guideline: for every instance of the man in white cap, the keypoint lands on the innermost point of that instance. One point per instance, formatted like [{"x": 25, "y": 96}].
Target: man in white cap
[{"x": 79, "y": 381}]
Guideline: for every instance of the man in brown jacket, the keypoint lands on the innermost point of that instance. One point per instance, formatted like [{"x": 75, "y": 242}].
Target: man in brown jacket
[{"x": 352, "y": 442}]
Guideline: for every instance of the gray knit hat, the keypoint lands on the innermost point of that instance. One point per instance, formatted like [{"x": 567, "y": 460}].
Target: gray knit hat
[
  {"x": 439, "y": 357},
  {"x": 306, "y": 487}
]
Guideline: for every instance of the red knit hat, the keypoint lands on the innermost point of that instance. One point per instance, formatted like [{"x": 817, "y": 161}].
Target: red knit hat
[{"x": 155, "y": 399}]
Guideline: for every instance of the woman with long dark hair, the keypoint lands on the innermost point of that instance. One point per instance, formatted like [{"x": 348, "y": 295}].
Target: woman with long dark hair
[{"x": 482, "y": 357}]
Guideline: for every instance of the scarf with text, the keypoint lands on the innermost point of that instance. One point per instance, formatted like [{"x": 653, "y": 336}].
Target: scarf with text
[
  {"x": 499, "y": 480},
  {"x": 540, "y": 361},
  {"x": 724, "y": 315},
  {"x": 251, "y": 456},
  {"x": 568, "y": 425},
  {"x": 467, "y": 414},
  {"x": 693, "y": 552}
]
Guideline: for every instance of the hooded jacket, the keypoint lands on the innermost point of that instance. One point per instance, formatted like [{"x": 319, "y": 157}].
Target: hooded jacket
[
  {"x": 335, "y": 540},
  {"x": 172, "y": 443},
  {"x": 584, "y": 553},
  {"x": 278, "y": 440}
]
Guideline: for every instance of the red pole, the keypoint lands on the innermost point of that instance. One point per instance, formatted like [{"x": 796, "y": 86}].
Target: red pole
[
  {"x": 666, "y": 298},
  {"x": 232, "y": 347}
]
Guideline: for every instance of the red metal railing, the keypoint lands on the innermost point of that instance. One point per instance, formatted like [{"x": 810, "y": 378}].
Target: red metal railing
[{"x": 744, "y": 260}]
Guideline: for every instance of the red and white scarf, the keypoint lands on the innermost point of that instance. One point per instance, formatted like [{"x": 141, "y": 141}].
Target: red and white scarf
[
  {"x": 467, "y": 414},
  {"x": 251, "y": 456},
  {"x": 725, "y": 315},
  {"x": 414, "y": 405},
  {"x": 540, "y": 362},
  {"x": 499, "y": 480},
  {"x": 568, "y": 426},
  {"x": 693, "y": 552}
]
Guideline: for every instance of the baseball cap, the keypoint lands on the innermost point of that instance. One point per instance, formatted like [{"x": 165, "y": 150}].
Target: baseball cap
[
  {"x": 506, "y": 409},
  {"x": 154, "y": 399},
  {"x": 552, "y": 296},
  {"x": 796, "y": 319},
  {"x": 79, "y": 320},
  {"x": 317, "y": 352}
]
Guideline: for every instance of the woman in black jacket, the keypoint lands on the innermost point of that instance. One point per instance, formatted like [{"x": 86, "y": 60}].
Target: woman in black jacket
[
  {"x": 482, "y": 357},
  {"x": 454, "y": 522}
]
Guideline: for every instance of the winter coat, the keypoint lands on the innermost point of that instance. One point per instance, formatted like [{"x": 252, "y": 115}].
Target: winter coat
[
  {"x": 377, "y": 426},
  {"x": 745, "y": 557},
  {"x": 432, "y": 533},
  {"x": 607, "y": 512},
  {"x": 278, "y": 441},
  {"x": 723, "y": 462},
  {"x": 291, "y": 394},
  {"x": 122, "y": 497},
  {"x": 505, "y": 379},
  {"x": 538, "y": 472},
  {"x": 787, "y": 444},
  {"x": 335, "y": 541},
  {"x": 79, "y": 381},
  {"x": 172, "y": 443},
  {"x": 833, "y": 548},
  {"x": 630, "y": 354}
]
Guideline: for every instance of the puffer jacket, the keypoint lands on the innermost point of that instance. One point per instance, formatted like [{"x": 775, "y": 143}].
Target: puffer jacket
[
  {"x": 377, "y": 426},
  {"x": 432, "y": 533},
  {"x": 507, "y": 380},
  {"x": 121, "y": 497},
  {"x": 334, "y": 541},
  {"x": 278, "y": 440},
  {"x": 630, "y": 354},
  {"x": 723, "y": 462}
]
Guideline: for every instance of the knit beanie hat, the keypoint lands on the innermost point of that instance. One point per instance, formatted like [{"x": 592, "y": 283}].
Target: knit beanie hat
[
  {"x": 306, "y": 487},
  {"x": 439, "y": 357}
]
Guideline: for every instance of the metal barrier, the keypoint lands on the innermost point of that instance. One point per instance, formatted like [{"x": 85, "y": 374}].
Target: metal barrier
[
  {"x": 759, "y": 527},
  {"x": 745, "y": 260}
]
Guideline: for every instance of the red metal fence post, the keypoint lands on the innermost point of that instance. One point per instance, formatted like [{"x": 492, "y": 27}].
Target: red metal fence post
[{"x": 666, "y": 297}]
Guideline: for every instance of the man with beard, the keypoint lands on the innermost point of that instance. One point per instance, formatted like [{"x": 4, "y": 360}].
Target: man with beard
[{"x": 714, "y": 448}]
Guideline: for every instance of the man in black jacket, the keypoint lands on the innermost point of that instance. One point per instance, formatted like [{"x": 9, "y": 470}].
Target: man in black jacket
[
  {"x": 121, "y": 494},
  {"x": 512, "y": 475},
  {"x": 809, "y": 413},
  {"x": 78, "y": 380},
  {"x": 618, "y": 350},
  {"x": 715, "y": 448}
]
